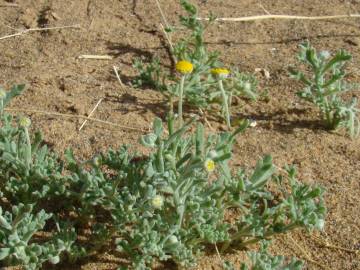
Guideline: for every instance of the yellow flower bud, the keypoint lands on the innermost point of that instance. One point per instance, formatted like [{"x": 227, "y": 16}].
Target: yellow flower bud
[
  {"x": 184, "y": 67},
  {"x": 209, "y": 165},
  {"x": 173, "y": 240},
  {"x": 157, "y": 202},
  {"x": 24, "y": 122},
  {"x": 213, "y": 154}
]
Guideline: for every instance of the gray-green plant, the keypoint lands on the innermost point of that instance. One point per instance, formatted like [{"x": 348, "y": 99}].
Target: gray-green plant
[
  {"x": 167, "y": 205},
  {"x": 195, "y": 199},
  {"x": 18, "y": 230},
  {"x": 262, "y": 260},
  {"x": 201, "y": 88},
  {"x": 323, "y": 86}
]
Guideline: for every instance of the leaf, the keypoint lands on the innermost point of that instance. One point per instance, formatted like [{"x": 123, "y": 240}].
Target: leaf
[
  {"x": 249, "y": 93},
  {"x": 6, "y": 156},
  {"x": 341, "y": 56},
  {"x": 310, "y": 57},
  {"x": 54, "y": 259},
  {"x": 297, "y": 75},
  {"x": 183, "y": 160},
  {"x": 263, "y": 171},
  {"x": 158, "y": 126},
  {"x": 334, "y": 78},
  {"x": 15, "y": 91},
  {"x": 36, "y": 141},
  {"x": 223, "y": 157},
  {"x": 4, "y": 252},
  {"x": 5, "y": 224},
  {"x": 70, "y": 158},
  {"x": 188, "y": 7},
  {"x": 199, "y": 139},
  {"x": 242, "y": 127},
  {"x": 149, "y": 140},
  {"x": 177, "y": 134}
]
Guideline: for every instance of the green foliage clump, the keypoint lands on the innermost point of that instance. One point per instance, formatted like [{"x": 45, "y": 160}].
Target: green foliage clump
[
  {"x": 325, "y": 85},
  {"x": 167, "y": 205}
]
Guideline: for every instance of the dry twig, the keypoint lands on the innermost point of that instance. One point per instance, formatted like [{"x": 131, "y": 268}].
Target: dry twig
[
  {"x": 23, "y": 32},
  {"x": 282, "y": 17}
]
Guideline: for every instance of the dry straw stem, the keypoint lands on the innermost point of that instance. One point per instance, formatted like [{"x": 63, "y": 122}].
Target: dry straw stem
[
  {"x": 23, "y": 32},
  {"x": 306, "y": 255},
  {"x": 325, "y": 243},
  {"x": 205, "y": 119},
  {"x": 76, "y": 116},
  {"x": 95, "y": 57},
  {"x": 219, "y": 256},
  {"x": 91, "y": 113},
  {"x": 282, "y": 17},
  {"x": 162, "y": 13},
  {"x": 9, "y": 5},
  {"x": 168, "y": 38},
  {"x": 166, "y": 34},
  {"x": 116, "y": 69}
]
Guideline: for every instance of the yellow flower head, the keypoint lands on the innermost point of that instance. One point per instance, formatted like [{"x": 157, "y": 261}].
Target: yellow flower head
[
  {"x": 157, "y": 202},
  {"x": 24, "y": 122},
  {"x": 222, "y": 73},
  {"x": 209, "y": 165},
  {"x": 184, "y": 67}
]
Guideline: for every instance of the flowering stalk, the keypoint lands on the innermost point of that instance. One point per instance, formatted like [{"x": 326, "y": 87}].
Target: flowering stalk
[
  {"x": 25, "y": 123},
  {"x": 1, "y": 106},
  {"x": 221, "y": 74},
  {"x": 225, "y": 103},
  {"x": 181, "y": 93},
  {"x": 184, "y": 67},
  {"x": 2, "y": 97}
]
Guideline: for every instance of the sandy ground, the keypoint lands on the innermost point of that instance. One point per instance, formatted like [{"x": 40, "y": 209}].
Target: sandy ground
[{"x": 287, "y": 128}]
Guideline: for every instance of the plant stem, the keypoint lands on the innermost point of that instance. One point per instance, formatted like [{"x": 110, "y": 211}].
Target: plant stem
[
  {"x": 182, "y": 82},
  {"x": 225, "y": 103},
  {"x": 27, "y": 149},
  {"x": 171, "y": 106},
  {"x": 1, "y": 106}
]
